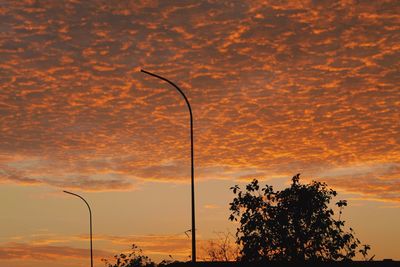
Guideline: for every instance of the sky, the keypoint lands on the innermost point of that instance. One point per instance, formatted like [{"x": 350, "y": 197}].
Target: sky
[{"x": 276, "y": 87}]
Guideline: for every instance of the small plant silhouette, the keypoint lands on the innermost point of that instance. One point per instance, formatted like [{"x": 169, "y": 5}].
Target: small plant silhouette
[
  {"x": 132, "y": 259},
  {"x": 294, "y": 224},
  {"x": 364, "y": 252}
]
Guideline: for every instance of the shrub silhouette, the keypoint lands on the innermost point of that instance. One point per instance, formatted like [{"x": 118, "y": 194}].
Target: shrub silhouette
[
  {"x": 132, "y": 259},
  {"x": 294, "y": 224},
  {"x": 222, "y": 248}
]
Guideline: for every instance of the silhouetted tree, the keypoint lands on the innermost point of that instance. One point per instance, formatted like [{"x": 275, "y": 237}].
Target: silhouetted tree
[
  {"x": 132, "y": 259},
  {"x": 294, "y": 224}
]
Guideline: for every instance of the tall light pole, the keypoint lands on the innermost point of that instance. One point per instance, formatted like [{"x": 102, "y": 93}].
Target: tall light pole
[
  {"x": 191, "y": 156},
  {"x": 90, "y": 222}
]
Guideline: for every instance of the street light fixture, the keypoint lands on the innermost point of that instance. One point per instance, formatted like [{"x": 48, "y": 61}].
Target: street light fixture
[
  {"x": 191, "y": 156},
  {"x": 90, "y": 220}
]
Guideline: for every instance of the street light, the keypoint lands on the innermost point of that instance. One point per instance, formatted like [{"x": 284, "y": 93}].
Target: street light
[
  {"x": 191, "y": 156},
  {"x": 90, "y": 220}
]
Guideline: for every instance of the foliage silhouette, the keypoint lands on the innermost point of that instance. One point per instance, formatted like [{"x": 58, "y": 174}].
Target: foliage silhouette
[
  {"x": 294, "y": 224},
  {"x": 132, "y": 259}
]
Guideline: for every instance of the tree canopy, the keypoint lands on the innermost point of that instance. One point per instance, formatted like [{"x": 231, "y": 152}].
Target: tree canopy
[{"x": 295, "y": 224}]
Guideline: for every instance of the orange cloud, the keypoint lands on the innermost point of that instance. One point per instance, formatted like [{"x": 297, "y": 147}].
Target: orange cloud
[
  {"x": 276, "y": 89},
  {"x": 12, "y": 251},
  {"x": 45, "y": 247}
]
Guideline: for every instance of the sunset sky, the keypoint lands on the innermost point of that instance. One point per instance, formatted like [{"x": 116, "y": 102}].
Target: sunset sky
[{"x": 276, "y": 87}]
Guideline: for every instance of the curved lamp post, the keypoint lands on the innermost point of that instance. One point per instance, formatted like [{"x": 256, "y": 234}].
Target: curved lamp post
[
  {"x": 90, "y": 219},
  {"x": 191, "y": 156}
]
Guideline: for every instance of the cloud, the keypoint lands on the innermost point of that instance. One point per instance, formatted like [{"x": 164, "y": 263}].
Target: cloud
[
  {"x": 276, "y": 89},
  {"x": 8, "y": 174},
  {"x": 177, "y": 245},
  {"x": 28, "y": 251},
  {"x": 38, "y": 175},
  {"x": 372, "y": 181},
  {"x": 49, "y": 246},
  {"x": 211, "y": 206}
]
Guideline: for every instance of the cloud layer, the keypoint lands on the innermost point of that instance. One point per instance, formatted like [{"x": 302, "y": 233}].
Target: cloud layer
[
  {"x": 276, "y": 88},
  {"x": 52, "y": 247},
  {"x": 28, "y": 251}
]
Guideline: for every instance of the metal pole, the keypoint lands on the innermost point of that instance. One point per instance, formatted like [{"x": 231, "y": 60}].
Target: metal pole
[
  {"x": 191, "y": 156},
  {"x": 90, "y": 220}
]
